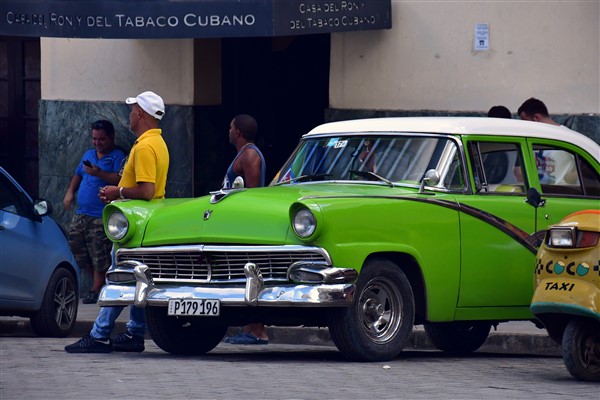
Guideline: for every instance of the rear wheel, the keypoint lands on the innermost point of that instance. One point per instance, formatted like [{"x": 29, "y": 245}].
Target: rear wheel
[
  {"x": 581, "y": 349},
  {"x": 458, "y": 337},
  {"x": 56, "y": 317},
  {"x": 183, "y": 335},
  {"x": 379, "y": 322}
]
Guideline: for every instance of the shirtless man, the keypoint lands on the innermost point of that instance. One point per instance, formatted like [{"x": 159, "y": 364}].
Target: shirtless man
[{"x": 249, "y": 164}]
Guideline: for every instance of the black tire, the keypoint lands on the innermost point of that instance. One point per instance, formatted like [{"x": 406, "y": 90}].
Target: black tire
[
  {"x": 184, "y": 335},
  {"x": 56, "y": 317},
  {"x": 581, "y": 349},
  {"x": 460, "y": 337},
  {"x": 380, "y": 320}
]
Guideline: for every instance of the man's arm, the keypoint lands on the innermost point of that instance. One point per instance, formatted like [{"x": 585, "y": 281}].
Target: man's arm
[
  {"x": 141, "y": 191},
  {"x": 112, "y": 178},
  {"x": 71, "y": 190},
  {"x": 250, "y": 163}
]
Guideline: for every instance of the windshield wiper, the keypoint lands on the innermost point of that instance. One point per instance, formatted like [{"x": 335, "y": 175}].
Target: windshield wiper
[
  {"x": 305, "y": 178},
  {"x": 369, "y": 174}
]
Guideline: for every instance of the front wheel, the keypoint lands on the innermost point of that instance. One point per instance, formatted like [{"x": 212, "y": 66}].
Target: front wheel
[
  {"x": 379, "y": 322},
  {"x": 56, "y": 317},
  {"x": 581, "y": 349},
  {"x": 183, "y": 335},
  {"x": 458, "y": 337}
]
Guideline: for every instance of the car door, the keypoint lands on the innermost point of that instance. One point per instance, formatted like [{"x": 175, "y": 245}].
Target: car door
[
  {"x": 21, "y": 245},
  {"x": 567, "y": 178},
  {"x": 497, "y": 258},
  {"x": 498, "y": 225}
]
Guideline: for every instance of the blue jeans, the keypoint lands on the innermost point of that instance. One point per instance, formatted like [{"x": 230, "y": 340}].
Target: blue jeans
[{"x": 105, "y": 322}]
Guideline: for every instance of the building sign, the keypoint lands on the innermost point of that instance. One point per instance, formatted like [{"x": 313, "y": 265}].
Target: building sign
[
  {"x": 157, "y": 19},
  {"x": 482, "y": 37}
]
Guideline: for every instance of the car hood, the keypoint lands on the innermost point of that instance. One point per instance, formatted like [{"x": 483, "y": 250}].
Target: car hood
[{"x": 248, "y": 216}]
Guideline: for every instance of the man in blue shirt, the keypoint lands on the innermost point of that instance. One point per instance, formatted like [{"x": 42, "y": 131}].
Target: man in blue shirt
[{"x": 98, "y": 167}]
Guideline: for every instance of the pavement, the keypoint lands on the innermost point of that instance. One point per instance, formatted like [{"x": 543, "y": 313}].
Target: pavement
[{"x": 514, "y": 337}]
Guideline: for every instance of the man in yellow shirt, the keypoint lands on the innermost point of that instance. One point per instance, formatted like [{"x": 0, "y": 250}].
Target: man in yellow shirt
[{"x": 144, "y": 177}]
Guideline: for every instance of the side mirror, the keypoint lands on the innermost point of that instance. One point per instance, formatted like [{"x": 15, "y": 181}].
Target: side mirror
[
  {"x": 432, "y": 178},
  {"x": 534, "y": 198},
  {"x": 42, "y": 207}
]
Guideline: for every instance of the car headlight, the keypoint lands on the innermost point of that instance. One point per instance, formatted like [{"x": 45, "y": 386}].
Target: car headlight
[
  {"x": 304, "y": 223},
  {"x": 561, "y": 237},
  {"x": 572, "y": 238},
  {"x": 117, "y": 226}
]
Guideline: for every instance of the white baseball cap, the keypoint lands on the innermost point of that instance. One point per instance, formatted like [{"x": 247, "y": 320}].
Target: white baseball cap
[{"x": 150, "y": 102}]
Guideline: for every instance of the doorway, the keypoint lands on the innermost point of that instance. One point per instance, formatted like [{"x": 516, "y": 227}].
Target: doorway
[
  {"x": 19, "y": 98},
  {"x": 283, "y": 82}
]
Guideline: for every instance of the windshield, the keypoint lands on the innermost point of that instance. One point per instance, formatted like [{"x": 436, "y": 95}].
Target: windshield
[{"x": 391, "y": 159}]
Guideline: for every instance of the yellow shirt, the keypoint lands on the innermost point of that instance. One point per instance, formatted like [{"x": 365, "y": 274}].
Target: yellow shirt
[{"x": 148, "y": 162}]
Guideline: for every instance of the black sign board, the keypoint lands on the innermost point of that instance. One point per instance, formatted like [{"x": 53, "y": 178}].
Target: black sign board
[{"x": 158, "y": 19}]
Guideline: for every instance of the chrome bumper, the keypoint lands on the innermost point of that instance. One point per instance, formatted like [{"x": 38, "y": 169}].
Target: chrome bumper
[{"x": 145, "y": 292}]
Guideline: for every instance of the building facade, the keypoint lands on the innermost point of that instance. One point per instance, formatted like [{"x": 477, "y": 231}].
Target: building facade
[{"x": 317, "y": 61}]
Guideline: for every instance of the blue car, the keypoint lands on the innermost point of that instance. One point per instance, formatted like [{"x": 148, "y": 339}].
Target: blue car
[{"x": 39, "y": 277}]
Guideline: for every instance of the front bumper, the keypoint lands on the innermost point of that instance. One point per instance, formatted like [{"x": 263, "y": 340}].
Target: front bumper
[
  {"x": 334, "y": 295},
  {"x": 144, "y": 292}
]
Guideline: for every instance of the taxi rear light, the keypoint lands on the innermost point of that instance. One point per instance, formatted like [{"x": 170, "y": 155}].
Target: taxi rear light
[{"x": 588, "y": 239}]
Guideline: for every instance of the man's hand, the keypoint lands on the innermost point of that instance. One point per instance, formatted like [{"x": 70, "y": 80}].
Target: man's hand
[
  {"x": 93, "y": 170},
  {"x": 68, "y": 200},
  {"x": 108, "y": 194}
]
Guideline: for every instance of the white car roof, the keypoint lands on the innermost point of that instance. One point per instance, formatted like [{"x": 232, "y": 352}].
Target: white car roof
[{"x": 462, "y": 126}]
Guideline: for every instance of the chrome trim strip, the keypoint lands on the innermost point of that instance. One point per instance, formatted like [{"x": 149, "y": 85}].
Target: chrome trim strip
[{"x": 333, "y": 295}]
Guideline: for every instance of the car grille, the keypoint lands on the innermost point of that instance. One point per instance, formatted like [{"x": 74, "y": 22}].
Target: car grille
[{"x": 220, "y": 263}]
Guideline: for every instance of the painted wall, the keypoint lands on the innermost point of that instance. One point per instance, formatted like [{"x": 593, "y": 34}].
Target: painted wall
[
  {"x": 111, "y": 69},
  {"x": 545, "y": 49}
]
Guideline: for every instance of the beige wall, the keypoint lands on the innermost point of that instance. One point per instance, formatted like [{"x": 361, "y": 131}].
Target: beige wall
[
  {"x": 546, "y": 49},
  {"x": 111, "y": 70}
]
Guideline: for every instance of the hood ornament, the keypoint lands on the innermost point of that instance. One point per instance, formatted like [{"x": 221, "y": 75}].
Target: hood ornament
[{"x": 207, "y": 214}]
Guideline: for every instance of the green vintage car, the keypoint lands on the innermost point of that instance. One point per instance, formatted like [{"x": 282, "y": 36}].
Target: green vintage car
[{"x": 371, "y": 227}]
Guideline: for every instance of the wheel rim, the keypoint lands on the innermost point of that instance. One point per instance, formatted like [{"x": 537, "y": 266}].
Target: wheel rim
[
  {"x": 589, "y": 352},
  {"x": 65, "y": 301},
  {"x": 380, "y": 310}
]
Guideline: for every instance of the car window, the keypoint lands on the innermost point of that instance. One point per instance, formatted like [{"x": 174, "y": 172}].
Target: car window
[
  {"x": 10, "y": 197},
  {"x": 497, "y": 167},
  {"x": 589, "y": 178},
  {"x": 562, "y": 172}
]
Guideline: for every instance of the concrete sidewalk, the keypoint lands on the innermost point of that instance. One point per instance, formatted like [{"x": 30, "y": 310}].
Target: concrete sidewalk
[{"x": 516, "y": 337}]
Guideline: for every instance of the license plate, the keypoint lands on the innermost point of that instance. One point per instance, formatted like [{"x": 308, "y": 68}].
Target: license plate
[{"x": 195, "y": 307}]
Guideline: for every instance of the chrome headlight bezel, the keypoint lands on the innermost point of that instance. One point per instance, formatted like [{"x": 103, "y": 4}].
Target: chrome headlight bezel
[{"x": 117, "y": 226}]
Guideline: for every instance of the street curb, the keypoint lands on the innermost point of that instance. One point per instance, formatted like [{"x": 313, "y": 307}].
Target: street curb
[{"x": 497, "y": 342}]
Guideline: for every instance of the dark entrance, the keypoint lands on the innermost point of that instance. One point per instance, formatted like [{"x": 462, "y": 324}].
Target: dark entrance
[
  {"x": 19, "y": 97},
  {"x": 283, "y": 82}
]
